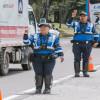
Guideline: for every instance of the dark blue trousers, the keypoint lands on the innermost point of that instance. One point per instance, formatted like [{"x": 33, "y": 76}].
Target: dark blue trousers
[
  {"x": 81, "y": 51},
  {"x": 43, "y": 66}
]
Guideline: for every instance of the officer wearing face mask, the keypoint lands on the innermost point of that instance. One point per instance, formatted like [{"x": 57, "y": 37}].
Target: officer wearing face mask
[{"x": 46, "y": 49}]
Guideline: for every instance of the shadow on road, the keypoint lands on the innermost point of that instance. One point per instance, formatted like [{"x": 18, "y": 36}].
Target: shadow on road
[
  {"x": 14, "y": 71},
  {"x": 33, "y": 94}
]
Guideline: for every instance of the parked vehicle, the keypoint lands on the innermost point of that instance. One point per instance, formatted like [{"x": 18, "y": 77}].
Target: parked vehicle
[{"x": 16, "y": 16}]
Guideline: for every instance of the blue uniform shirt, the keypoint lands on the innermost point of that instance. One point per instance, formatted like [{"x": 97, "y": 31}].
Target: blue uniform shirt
[
  {"x": 83, "y": 31},
  {"x": 44, "y": 44}
]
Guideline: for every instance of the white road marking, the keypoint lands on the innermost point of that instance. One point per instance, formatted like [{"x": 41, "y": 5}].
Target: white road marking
[
  {"x": 33, "y": 89},
  {"x": 98, "y": 66}
]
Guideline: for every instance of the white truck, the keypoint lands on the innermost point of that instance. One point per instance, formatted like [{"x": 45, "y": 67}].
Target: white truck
[{"x": 16, "y": 16}]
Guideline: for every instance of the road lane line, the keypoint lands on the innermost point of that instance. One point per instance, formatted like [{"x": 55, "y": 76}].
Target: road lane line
[
  {"x": 12, "y": 97},
  {"x": 33, "y": 89},
  {"x": 98, "y": 66}
]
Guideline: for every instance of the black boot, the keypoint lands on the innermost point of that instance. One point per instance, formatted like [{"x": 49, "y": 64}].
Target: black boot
[
  {"x": 85, "y": 70},
  {"x": 39, "y": 83},
  {"x": 86, "y": 74},
  {"x": 48, "y": 82},
  {"x": 77, "y": 69}
]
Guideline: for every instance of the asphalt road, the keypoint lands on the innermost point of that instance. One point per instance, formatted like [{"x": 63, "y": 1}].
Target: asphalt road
[{"x": 18, "y": 81}]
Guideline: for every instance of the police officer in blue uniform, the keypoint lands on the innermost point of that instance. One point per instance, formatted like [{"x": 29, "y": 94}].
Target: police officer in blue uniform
[
  {"x": 82, "y": 42},
  {"x": 46, "y": 49}
]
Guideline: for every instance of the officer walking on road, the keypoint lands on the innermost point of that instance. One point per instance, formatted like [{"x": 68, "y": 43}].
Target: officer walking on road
[
  {"x": 82, "y": 42},
  {"x": 46, "y": 49}
]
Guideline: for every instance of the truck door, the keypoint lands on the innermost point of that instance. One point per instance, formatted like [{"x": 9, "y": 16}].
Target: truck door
[{"x": 32, "y": 23}]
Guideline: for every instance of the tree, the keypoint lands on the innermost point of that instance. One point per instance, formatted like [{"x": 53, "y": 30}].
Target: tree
[{"x": 42, "y": 7}]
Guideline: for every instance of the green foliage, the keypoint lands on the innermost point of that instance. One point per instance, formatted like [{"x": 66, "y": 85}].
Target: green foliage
[{"x": 43, "y": 8}]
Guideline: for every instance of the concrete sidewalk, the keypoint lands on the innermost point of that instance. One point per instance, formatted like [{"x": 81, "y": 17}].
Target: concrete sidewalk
[{"x": 73, "y": 89}]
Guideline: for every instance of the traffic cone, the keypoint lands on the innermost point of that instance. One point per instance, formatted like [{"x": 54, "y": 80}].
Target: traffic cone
[
  {"x": 1, "y": 98},
  {"x": 91, "y": 65}
]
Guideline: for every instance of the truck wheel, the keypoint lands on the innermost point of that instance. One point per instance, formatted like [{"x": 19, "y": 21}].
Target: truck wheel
[
  {"x": 4, "y": 67},
  {"x": 26, "y": 55},
  {"x": 27, "y": 66}
]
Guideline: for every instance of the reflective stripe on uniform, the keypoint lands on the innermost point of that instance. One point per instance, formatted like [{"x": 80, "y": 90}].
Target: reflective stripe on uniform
[
  {"x": 52, "y": 48},
  {"x": 27, "y": 41},
  {"x": 58, "y": 51}
]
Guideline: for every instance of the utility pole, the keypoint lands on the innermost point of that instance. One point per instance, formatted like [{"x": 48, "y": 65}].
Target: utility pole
[
  {"x": 60, "y": 12},
  {"x": 47, "y": 8}
]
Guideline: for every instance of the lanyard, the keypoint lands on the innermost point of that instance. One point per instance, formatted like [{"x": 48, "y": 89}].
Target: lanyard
[{"x": 43, "y": 45}]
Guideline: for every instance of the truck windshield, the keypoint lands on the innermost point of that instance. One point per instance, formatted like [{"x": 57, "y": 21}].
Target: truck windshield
[
  {"x": 31, "y": 18},
  {"x": 94, "y": 1}
]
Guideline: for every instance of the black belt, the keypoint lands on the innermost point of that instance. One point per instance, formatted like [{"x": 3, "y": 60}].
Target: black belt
[{"x": 44, "y": 56}]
